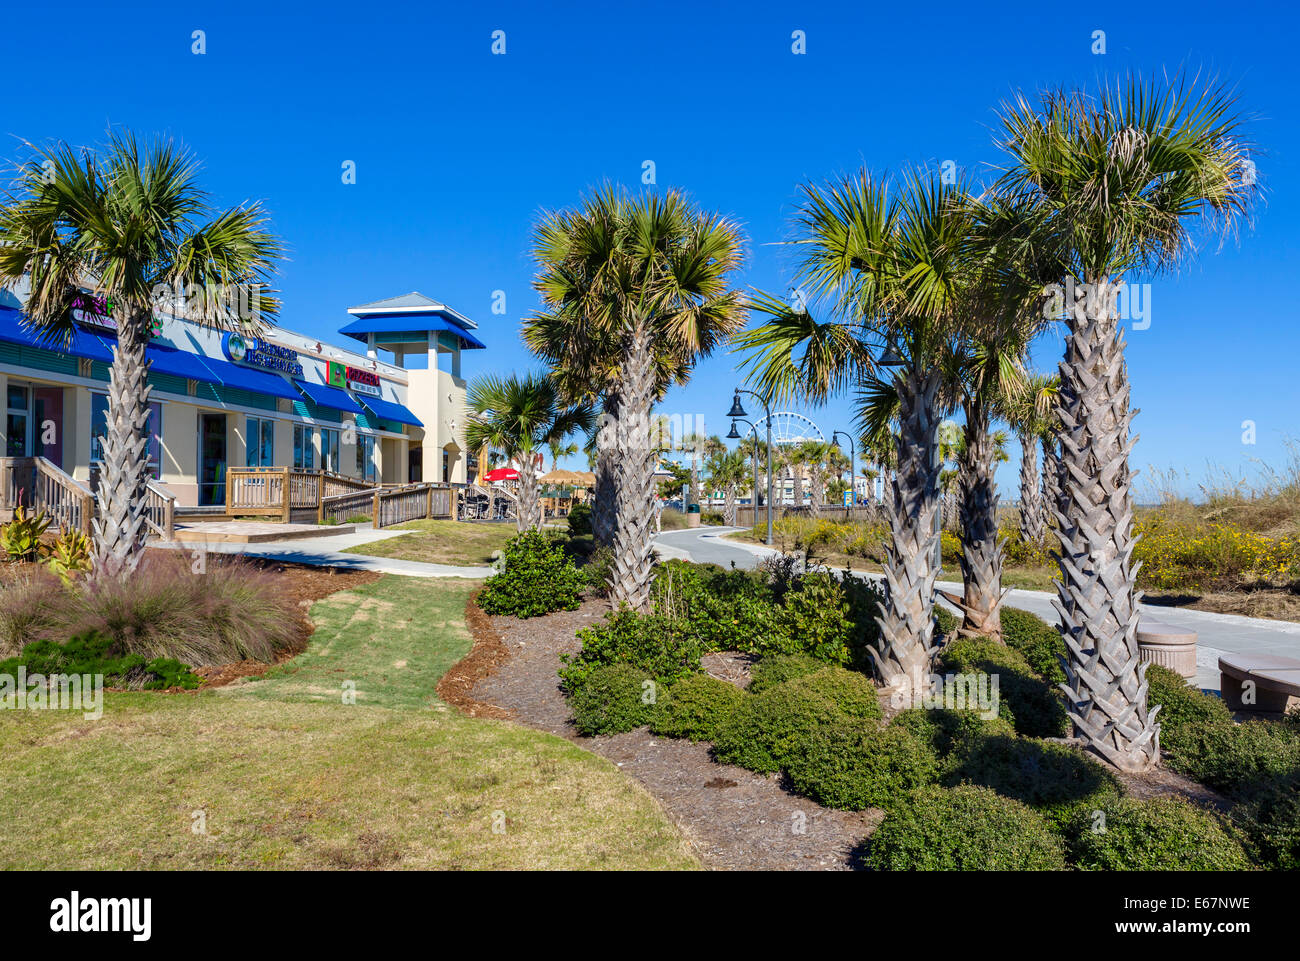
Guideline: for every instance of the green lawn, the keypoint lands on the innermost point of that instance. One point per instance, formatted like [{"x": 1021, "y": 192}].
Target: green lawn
[
  {"x": 287, "y": 775},
  {"x": 442, "y": 542}
]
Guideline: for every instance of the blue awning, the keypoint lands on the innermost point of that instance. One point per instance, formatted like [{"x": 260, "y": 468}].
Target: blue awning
[
  {"x": 248, "y": 378},
  {"x": 166, "y": 359},
  {"x": 13, "y": 330},
  {"x": 331, "y": 397},
  {"x": 388, "y": 410},
  {"x": 398, "y": 324}
]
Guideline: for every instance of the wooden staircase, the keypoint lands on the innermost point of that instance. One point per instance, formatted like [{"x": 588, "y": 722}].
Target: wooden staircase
[{"x": 37, "y": 484}]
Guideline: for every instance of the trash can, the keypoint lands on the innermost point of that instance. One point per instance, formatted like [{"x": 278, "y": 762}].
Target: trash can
[{"x": 693, "y": 515}]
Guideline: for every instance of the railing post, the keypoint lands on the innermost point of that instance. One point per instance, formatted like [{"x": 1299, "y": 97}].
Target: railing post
[
  {"x": 376, "y": 521},
  {"x": 428, "y": 510},
  {"x": 286, "y": 492}
]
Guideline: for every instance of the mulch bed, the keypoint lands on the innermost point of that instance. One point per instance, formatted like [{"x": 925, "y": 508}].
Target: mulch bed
[{"x": 734, "y": 819}]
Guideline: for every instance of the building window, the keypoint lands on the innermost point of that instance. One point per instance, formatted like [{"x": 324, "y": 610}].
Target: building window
[
  {"x": 329, "y": 450},
  {"x": 16, "y": 422},
  {"x": 99, "y": 427},
  {"x": 304, "y": 448},
  {"x": 366, "y": 456},
  {"x": 259, "y": 442}
]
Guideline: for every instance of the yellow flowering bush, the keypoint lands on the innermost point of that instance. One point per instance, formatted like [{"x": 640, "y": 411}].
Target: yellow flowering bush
[{"x": 1215, "y": 556}]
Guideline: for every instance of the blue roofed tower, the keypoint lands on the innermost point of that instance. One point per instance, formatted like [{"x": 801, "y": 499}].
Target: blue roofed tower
[{"x": 425, "y": 338}]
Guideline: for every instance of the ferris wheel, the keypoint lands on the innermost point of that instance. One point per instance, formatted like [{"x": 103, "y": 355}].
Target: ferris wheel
[{"x": 789, "y": 428}]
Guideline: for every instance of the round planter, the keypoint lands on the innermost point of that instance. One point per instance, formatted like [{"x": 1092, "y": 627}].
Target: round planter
[{"x": 1168, "y": 646}]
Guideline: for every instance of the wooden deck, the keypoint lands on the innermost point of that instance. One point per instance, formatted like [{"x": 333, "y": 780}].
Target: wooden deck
[{"x": 254, "y": 532}]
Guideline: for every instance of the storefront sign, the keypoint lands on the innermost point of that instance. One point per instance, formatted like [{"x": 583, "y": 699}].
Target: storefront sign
[
  {"x": 336, "y": 374},
  {"x": 363, "y": 381},
  {"x": 255, "y": 352},
  {"x": 97, "y": 313}
]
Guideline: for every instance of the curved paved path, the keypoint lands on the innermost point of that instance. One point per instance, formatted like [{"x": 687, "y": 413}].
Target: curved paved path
[{"x": 1218, "y": 633}]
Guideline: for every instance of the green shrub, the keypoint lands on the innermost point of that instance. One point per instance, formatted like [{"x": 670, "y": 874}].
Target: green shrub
[
  {"x": 865, "y": 597},
  {"x": 713, "y": 518},
  {"x": 761, "y": 733},
  {"x": 1184, "y": 710},
  {"x": 946, "y": 622},
  {"x": 948, "y": 732},
  {"x": 1039, "y": 642},
  {"x": 1054, "y": 779},
  {"x": 695, "y": 707},
  {"x": 725, "y": 610},
  {"x": 856, "y": 764},
  {"x": 778, "y": 668},
  {"x": 814, "y": 619},
  {"x": 963, "y": 829},
  {"x": 599, "y": 569},
  {"x": 1029, "y": 702},
  {"x": 611, "y": 699},
  {"x": 580, "y": 520},
  {"x": 1272, "y": 821},
  {"x": 1160, "y": 834},
  {"x": 95, "y": 653},
  {"x": 1237, "y": 758},
  {"x": 660, "y": 646},
  {"x": 537, "y": 578}
]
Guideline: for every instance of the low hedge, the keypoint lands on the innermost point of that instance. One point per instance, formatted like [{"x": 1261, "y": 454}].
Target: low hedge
[
  {"x": 1184, "y": 709},
  {"x": 856, "y": 764},
  {"x": 537, "y": 578},
  {"x": 761, "y": 733},
  {"x": 611, "y": 699},
  {"x": 779, "y": 668},
  {"x": 655, "y": 643},
  {"x": 1237, "y": 759},
  {"x": 1160, "y": 834},
  {"x": 1030, "y": 703},
  {"x": 1271, "y": 819},
  {"x": 948, "y": 733},
  {"x": 1055, "y": 779},
  {"x": 966, "y": 828},
  {"x": 694, "y": 708},
  {"x": 1037, "y": 641}
]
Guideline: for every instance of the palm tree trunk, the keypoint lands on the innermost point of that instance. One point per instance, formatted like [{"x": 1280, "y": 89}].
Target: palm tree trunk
[
  {"x": 119, "y": 529},
  {"x": 530, "y": 506},
  {"x": 492, "y": 500},
  {"x": 905, "y": 654},
  {"x": 1105, "y": 682},
  {"x": 1051, "y": 479},
  {"x": 633, "y": 550},
  {"x": 981, "y": 558},
  {"x": 1031, "y": 505},
  {"x": 729, "y": 504},
  {"x": 604, "y": 508}
]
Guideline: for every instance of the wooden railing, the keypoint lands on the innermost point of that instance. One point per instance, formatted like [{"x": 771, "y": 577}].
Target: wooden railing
[
  {"x": 36, "y": 483},
  {"x": 338, "y": 508},
  {"x": 411, "y": 502},
  {"x": 160, "y": 511}
]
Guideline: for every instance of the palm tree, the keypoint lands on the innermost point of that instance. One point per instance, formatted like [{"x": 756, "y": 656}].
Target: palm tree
[
  {"x": 636, "y": 291},
  {"x": 560, "y": 449},
  {"x": 521, "y": 416},
  {"x": 888, "y": 268},
  {"x": 1028, "y": 415},
  {"x": 728, "y": 470},
  {"x": 131, "y": 224},
  {"x": 1118, "y": 176},
  {"x": 819, "y": 459}
]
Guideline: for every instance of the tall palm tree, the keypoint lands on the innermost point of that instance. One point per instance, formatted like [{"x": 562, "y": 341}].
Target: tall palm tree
[
  {"x": 1118, "y": 176},
  {"x": 888, "y": 268},
  {"x": 728, "y": 471},
  {"x": 560, "y": 449},
  {"x": 130, "y": 223},
  {"x": 521, "y": 416},
  {"x": 636, "y": 291},
  {"x": 1028, "y": 414}
]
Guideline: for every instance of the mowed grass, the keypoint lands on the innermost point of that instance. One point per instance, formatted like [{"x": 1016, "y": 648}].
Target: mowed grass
[
  {"x": 281, "y": 773},
  {"x": 442, "y": 542}
]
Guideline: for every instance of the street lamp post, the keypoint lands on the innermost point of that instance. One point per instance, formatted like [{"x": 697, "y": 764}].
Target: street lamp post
[
  {"x": 737, "y": 411},
  {"x": 853, "y": 468},
  {"x": 753, "y": 458}
]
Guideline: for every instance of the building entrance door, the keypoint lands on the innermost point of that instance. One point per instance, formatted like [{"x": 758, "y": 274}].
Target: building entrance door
[
  {"x": 212, "y": 459},
  {"x": 47, "y": 431}
]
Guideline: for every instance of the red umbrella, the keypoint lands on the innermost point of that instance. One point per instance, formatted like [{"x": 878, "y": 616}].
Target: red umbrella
[{"x": 501, "y": 473}]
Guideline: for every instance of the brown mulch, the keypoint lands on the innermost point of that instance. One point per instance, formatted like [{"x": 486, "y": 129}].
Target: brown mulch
[
  {"x": 486, "y": 655},
  {"x": 734, "y": 819}
]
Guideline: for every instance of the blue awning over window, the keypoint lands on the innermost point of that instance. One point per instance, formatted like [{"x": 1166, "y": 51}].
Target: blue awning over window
[
  {"x": 13, "y": 330},
  {"x": 179, "y": 363},
  {"x": 388, "y": 410},
  {"x": 248, "y": 378},
  {"x": 332, "y": 397}
]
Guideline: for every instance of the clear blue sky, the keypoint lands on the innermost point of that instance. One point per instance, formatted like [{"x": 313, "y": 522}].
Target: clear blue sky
[{"x": 456, "y": 150}]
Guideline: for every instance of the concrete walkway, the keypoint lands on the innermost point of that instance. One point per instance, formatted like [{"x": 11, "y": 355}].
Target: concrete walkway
[
  {"x": 1217, "y": 633},
  {"x": 327, "y": 551}
]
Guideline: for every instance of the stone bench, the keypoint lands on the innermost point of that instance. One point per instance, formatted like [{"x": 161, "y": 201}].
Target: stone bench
[
  {"x": 1275, "y": 679},
  {"x": 1168, "y": 646}
]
